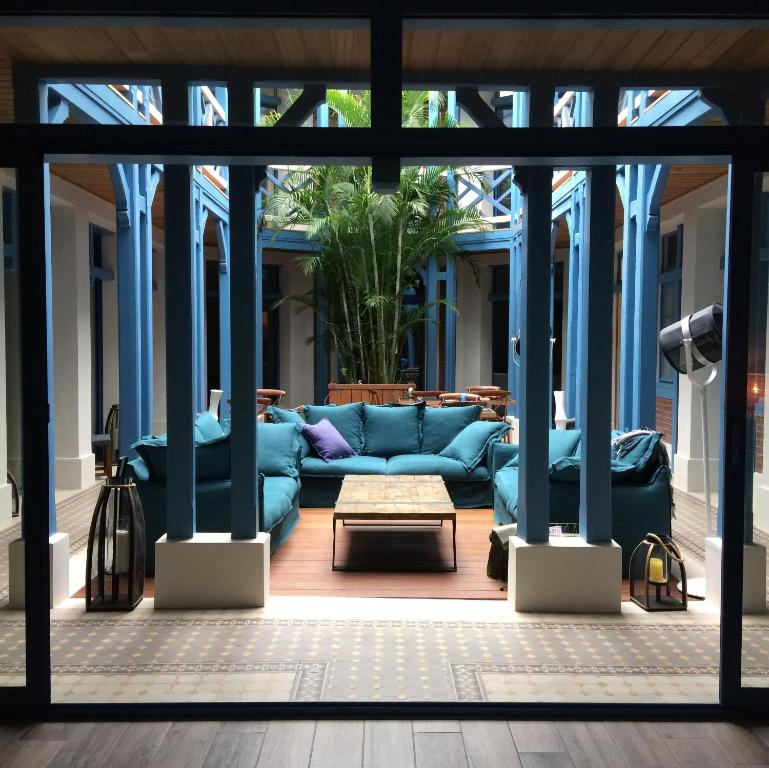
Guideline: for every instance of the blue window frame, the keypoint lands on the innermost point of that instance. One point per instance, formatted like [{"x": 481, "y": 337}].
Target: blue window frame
[{"x": 669, "y": 303}]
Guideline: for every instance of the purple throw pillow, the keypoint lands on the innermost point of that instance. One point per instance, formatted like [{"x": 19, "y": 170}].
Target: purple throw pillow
[{"x": 326, "y": 440}]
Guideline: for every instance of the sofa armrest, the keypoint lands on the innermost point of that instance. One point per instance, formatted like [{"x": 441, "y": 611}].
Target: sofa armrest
[
  {"x": 139, "y": 469},
  {"x": 501, "y": 453}
]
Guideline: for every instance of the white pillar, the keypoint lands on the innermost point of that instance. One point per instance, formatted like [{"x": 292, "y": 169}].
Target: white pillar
[
  {"x": 75, "y": 463},
  {"x": 473, "y": 328},
  {"x": 702, "y": 285}
]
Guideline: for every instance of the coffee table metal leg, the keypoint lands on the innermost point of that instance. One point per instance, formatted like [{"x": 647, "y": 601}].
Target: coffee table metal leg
[
  {"x": 454, "y": 539},
  {"x": 333, "y": 547}
]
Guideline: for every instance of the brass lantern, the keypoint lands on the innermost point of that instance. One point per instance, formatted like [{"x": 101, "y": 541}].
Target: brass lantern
[
  {"x": 114, "y": 579},
  {"x": 657, "y": 575}
]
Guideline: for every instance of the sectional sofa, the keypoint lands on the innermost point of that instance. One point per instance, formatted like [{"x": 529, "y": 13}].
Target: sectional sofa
[
  {"x": 401, "y": 440},
  {"x": 641, "y": 494},
  {"x": 279, "y": 480}
]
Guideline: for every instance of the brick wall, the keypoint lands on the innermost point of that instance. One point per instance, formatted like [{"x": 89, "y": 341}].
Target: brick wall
[{"x": 664, "y": 418}]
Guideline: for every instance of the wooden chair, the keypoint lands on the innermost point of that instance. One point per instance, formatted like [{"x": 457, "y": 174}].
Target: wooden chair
[
  {"x": 108, "y": 441},
  {"x": 274, "y": 395}
]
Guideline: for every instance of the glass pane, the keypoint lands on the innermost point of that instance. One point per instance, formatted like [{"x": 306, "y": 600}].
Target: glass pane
[
  {"x": 755, "y": 632},
  {"x": 12, "y": 620}
]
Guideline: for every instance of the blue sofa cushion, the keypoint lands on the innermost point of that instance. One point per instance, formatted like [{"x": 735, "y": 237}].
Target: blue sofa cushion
[
  {"x": 434, "y": 464},
  {"x": 506, "y": 488},
  {"x": 289, "y": 416},
  {"x": 278, "y": 495},
  {"x": 441, "y": 425},
  {"x": 355, "y": 465},
  {"x": 207, "y": 428},
  {"x": 277, "y": 447},
  {"x": 563, "y": 442},
  {"x": 212, "y": 458},
  {"x": 470, "y": 445},
  {"x": 391, "y": 431},
  {"x": 348, "y": 420}
]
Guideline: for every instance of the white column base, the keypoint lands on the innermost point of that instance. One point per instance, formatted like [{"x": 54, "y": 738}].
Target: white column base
[
  {"x": 58, "y": 558},
  {"x": 761, "y": 502},
  {"x": 75, "y": 473},
  {"x": 566, "y": 575},
  {"x": 212, "y": 570},
  {"x": 688, "y": 475},
  {"x": 6, "y": 507},
  {"x": 754, "y": 575}
]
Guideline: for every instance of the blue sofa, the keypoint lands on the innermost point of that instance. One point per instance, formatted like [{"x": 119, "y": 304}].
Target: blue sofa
[
  {"x": 279, "y": 481},
  {"x": 401, "y": 440},
  {"x": 641, "y": 494}
]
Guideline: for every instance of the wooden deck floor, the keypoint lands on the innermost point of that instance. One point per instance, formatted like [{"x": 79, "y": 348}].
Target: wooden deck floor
[{"x": 302, "y": 566}]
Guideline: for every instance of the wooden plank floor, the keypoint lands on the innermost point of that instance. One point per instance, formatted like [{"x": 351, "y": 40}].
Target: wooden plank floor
[
  {"x": 394, "y": 559},
  {"x": 382, "y": 744}
]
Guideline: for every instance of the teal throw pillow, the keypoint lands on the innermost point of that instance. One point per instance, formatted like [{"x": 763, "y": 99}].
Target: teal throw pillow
[
  {"x": 470, "y": 445},
  {"x": 441, "y": 425},
  {"x": 290, "y": 416},
  {"x": 207, "y": 428},
  {"x": 277, "y": 447}
]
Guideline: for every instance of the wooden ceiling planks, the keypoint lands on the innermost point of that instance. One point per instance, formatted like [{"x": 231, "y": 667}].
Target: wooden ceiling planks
[{"x": 249, "y": 46}]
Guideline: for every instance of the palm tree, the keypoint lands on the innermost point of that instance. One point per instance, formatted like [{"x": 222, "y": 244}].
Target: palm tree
[{"x": 370, "y": 247}]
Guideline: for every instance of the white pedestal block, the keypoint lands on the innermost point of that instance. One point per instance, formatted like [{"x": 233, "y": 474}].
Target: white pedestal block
[
  {"x": 75, "y": 474},
  {"x": 753, "y": 571},
  {"x": 566, "y": 575},
  {"x": 212, "y": 570},
  {"x": 58, "y": 558}
]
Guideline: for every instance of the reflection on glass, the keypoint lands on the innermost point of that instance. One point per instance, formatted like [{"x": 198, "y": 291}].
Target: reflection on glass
[{"x": 755, "y": 623}]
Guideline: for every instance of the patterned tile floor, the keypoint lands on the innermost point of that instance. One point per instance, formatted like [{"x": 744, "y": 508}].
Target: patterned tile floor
[{"x": 353, "y": 649}]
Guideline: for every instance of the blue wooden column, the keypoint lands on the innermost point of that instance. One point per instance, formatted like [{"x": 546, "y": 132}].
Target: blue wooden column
[
  {"x": 200, "y": 216},
  {"x": 244, "y": 326},
  {"x": 534, "y": 411},
  {"x": 125, "y": 181},
  {"x": 644, "y": 185},
  {"x": 513, "y": 321},
  {"x": 321, "y": 359},
  {"x": 576, "y": 221},
  {"x": 225, "y": 379},
  {"x": 180, "y": 326},
  {"x": 149, "y": 177},
  {"x": 431, "y": 327},
  {"x": 597, "y": 296},
  {"x": 645, "y": 319},
  {"x": 450, "y": 339},
  {"x": 259, "y": 297},
  {"x": 627, "y": 311}
]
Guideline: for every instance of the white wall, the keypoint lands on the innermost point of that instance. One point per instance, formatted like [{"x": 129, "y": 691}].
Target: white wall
[
  {"x": 474, "y": 321},
  {"x": 5, "y": 444},
  {"x": 159, "y": 337}
]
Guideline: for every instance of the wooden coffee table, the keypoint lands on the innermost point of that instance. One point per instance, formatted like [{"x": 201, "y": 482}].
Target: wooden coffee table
[{"x": 384, "y": 500}]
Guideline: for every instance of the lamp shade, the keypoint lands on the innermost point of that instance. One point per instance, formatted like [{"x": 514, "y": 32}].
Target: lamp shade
[{"x": 704, "y": 329}]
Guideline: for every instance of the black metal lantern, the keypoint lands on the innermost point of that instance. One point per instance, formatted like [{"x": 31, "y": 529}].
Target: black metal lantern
[
  {"x": 114, "y": 579},
  {"x": 657, "y": 575}
]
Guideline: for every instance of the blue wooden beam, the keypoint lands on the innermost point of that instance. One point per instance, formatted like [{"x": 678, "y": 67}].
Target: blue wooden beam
[
  {"x": 244, "y": 326},
  {"x": 431, "y": 327},
  {"x": 533, "y": 482},
  {"x": 225, "y": 380}
]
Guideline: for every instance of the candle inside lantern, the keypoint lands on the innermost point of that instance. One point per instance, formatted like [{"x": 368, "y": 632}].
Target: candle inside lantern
[
  {"x": 122, "y": 551},
  {"x": 656, "y": 571}
]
